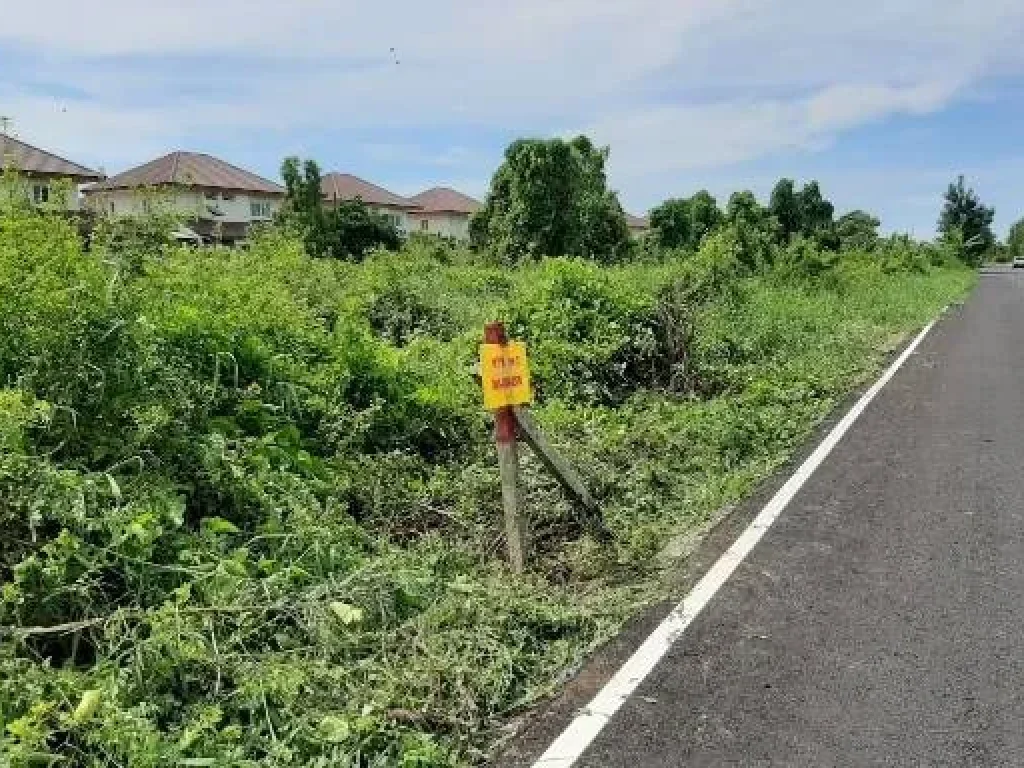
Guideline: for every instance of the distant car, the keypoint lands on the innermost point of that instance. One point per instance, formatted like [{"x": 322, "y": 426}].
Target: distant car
[{"x": 1018, "y": 262}]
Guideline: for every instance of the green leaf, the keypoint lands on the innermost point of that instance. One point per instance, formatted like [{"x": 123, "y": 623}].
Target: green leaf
[
  {"x": 115, "y": 489},
  {"x": 335, "y": 729},
  {"x": 219, "y": 525},
  {"x": 87, "y": 707},
  {"x": 347, "y": 614},
  {"x": 462, "y": 585}
]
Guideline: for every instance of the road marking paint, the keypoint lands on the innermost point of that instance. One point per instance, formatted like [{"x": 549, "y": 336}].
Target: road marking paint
[{"x": 574, "y": 740}]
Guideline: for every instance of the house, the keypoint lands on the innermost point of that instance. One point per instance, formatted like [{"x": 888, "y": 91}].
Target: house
[
  {"x": 41, "y": 169},
  {"x": 219, "y": 201},
  {"x": 345, "y": 186},
  {"x": 445, "y": 212},
  {"x": 638, "y": 227}
]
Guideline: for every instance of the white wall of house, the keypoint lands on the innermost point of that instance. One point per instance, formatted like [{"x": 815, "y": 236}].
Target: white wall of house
[
  {"x": 444, "y": 224},
  {"x": 132, "y": 202},
  {"x": 242, "y": 207},
  {"x": 234, "y": 208},
  {"x": 42, "y": 190},
  {"x": 397, "y": 216}
]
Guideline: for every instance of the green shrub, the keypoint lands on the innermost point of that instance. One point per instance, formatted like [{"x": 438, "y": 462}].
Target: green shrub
[
  {"x": 593, "y": 336},
  {"x": 804, "y": 259}
]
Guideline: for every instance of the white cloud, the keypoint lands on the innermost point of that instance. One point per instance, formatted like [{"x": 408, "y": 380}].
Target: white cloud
[
  {"x": 673, "y": 86},
  {"x": 530, "y": 65},
  {"x": 844, "y": 106},
  {"x": 443, "y": 30},
  {"x": 114, "y": 137},
  {"x": 681, "y": 138}
]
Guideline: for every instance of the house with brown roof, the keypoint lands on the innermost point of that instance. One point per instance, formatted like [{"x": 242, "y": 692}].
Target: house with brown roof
[
  {"x": 41, "y": 170},
  {"x": 395, "y": 208},
  {"x": 220, "y": 201},
  {"x": 445, "y": 212},
  {"x": 638, "y": 227}
]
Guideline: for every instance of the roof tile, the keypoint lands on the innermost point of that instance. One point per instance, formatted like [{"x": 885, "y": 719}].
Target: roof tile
[
  {"x": 28, "y": 159},
  {"x": 190, "y": 169},
  {"x": 345, "y": 186},
  {"x": 446, "y": 200}
]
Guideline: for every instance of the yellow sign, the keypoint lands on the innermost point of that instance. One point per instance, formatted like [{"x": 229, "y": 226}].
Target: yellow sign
[{"x": 505, "y": 374}]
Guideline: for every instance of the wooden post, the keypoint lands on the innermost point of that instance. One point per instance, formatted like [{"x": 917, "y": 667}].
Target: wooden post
[
  {"x": 516, "y": 529},
  {"x": 557, "y": 465}
]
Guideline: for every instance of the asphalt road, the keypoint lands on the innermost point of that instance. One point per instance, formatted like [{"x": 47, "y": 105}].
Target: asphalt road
[{"x": 880, "y": 622}]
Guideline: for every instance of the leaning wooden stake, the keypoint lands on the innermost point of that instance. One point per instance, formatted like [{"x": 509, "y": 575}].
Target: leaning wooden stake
[
  {"x": 558, "y": 466},
  {"x": 516, "y": 529}
]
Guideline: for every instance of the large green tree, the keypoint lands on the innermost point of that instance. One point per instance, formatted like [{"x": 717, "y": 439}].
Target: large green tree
[
  {"x": 744, "y": 208},
  {"x": 705, "y": 214},
  {"x": 304, "y": 199},
  {"x": 967, "y": 222},
  {"x": 604, "y": 232},
  {"x": 805, "y": 212},
  {"x": 1015, "y": 239},
  {"x": 816, "y": 212},
  {"x": 672, "y": 223},
  {"x": 345, "y": 230},
  {"x": 785, "y": 207},
  {"x": 755, "y": 228},
  {"x": 857, "y": 231},
  {"x": 685, "y": 222},
  {"x": 551, "y": 198}
]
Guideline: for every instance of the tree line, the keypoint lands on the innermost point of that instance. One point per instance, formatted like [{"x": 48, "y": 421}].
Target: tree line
[{"x": 550, "y": 197}]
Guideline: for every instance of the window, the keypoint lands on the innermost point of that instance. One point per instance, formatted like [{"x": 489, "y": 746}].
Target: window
[
  {"x": 210, "y": 195},
  {"x": 260, "y": 209},
  {"x": 40, "y": 193},
  {"x": 227, "y": 196},
  {"x": 425, "y": 225}
]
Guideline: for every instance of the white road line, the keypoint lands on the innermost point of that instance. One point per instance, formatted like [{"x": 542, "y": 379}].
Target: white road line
[{"x": 568, "y": 747}]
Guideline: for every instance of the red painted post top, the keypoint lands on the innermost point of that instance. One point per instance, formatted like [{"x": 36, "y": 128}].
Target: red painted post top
[{"x": 494, "y": 333}]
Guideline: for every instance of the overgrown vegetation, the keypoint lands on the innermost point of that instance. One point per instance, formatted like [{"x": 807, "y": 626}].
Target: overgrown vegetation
[
  {"x": 249, "y": 511},
  {"x": 1015, "y": 240},
  {"x": 337, "y": 229},
  {"x": 966, "y": 223},
  {"x": 551, "y": 198}
]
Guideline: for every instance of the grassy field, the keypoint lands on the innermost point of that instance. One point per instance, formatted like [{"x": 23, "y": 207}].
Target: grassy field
[{"x": 250, "y": 511}]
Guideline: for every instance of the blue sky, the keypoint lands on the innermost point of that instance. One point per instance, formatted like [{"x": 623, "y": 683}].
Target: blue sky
[{"x": 882, "y": 102}]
